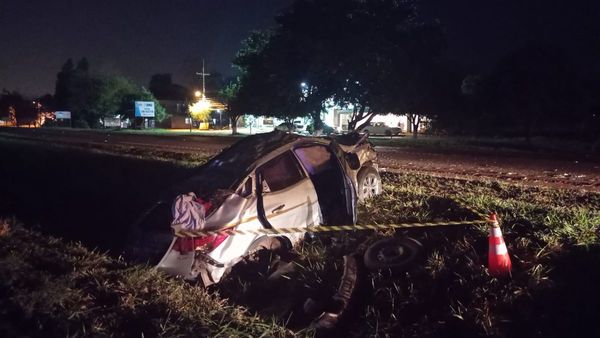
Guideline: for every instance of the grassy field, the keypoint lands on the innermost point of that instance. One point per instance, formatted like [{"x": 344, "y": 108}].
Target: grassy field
[
  {"x": 53, "y": 287},
  {"x": 552, "y": 237}
]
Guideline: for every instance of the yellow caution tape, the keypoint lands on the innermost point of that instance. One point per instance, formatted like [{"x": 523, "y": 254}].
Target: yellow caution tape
[{"x": 321, "y": 228}]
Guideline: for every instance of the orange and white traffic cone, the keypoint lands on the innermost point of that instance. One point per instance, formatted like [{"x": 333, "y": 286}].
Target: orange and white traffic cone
[{"x": 498, "y": 261}]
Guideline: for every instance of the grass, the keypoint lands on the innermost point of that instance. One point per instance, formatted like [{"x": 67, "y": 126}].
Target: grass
[
  {"x": 49, "y": 288},
  {"x": 449, "y": 291},
  {"x": 57, "y": 289}
]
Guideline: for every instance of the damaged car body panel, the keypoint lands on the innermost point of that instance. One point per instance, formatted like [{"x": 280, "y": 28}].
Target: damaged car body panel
[{"x": 274, "y": 180}]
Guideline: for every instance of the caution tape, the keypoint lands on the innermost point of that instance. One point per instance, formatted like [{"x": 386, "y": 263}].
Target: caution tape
[{"x": 321, "y": 228}]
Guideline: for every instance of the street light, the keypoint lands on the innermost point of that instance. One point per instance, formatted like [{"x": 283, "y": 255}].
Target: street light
[
  {"x": 304, "y": 91},
  {"x": 197, "y": 93}
]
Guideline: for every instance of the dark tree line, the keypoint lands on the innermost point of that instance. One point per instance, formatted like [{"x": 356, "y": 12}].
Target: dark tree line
[
  {"x": 373, "y": 56},
  {"x": 533, "y": 90},
  {"x": 379, "y": 56},
  {"x": 92, "y": 97}
]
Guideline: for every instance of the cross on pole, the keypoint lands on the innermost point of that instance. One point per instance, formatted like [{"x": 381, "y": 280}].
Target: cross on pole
[{"x": 204, "y": 75}]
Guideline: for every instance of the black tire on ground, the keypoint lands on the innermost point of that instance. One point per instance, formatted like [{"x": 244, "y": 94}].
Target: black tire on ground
[
  {"x": 150, "y": 236},
  {"x": 396, "y": 254},
  {"x": 369, "y": 183},
  {"x": 388, "y": 133}
]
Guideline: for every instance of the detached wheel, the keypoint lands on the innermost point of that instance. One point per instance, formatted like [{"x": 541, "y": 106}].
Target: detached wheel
[
  {"x": 396, "y": 254},
  {"x": 369, "y": 183}
]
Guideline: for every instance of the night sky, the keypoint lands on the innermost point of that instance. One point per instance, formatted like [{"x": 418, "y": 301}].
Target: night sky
[
  {"x": 141, "y": 38},
  {"x": 133, "y": 38}
]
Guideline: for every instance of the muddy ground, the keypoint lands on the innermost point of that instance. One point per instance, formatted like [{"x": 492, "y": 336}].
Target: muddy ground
[
  {"x": 561, "y": 170},
  {"x": 529, "y": 169}
]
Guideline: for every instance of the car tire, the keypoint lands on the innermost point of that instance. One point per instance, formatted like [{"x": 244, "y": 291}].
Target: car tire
[
  {"x": 150, "y": 236},
  {"x": 369, "y": 183},
  {"x": 388, "y": 133},
  {"x": 395, "y": 254}
]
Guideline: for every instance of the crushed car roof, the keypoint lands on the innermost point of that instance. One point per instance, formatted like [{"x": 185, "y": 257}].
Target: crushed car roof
[
  {"x": 225, "y": 170},
  {"x": 235, "y": 162}
]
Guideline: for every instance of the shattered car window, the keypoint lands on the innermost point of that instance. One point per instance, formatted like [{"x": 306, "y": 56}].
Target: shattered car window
[{"x": 281, "y": 172}]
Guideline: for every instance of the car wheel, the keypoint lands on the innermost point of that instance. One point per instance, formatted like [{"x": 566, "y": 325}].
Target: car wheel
[
  {"x": 150, "y": 236},
  {"x": 388, "y": 133},
  {"x": 369, "y": 183},
  {"x": 396, "y": 254}
]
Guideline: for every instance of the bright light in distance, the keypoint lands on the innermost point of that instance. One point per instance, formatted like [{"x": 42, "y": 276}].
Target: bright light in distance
[
  {"x": 200, "y": 106},
  {"x": 197, "y": 93},
  {"x": 303, "y": 84}
]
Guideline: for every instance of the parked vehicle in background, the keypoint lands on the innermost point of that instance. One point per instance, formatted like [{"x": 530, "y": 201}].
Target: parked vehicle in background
[
  {"x": 380, "y": 128},
  {"x": 300, "y": 128},
  {"x": 286, "y": 126},
  {"x": 275, "y": 180},
  {"x": 297, "y": 127}
]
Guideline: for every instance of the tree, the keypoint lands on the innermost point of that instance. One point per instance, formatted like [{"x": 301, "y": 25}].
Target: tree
[
  {"x": 83, "y": 65},
  {"x": 355, "y": 52},
  {"x": 76, "y": 90},
  {"x": 163, "y": 88},
  {"x": 430, "y": 89},
  {"x": 9, "y": 103},
  {"x": 534, "y": 87},
  {"x": 61, "y": 91},
  {"x": 17, "y": 109},
  {"x": 116, "y": 96},
  {"x": 47, "y": 102},
  {"x": 113, "y": 96},
  {"x": 91, "y": 98},
  {"x": 234, "y": 103},
  {"x": 264, "y": 85}
]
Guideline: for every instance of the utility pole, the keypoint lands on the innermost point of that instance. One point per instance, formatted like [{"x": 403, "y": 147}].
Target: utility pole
[{"x": 204, "y": 75}]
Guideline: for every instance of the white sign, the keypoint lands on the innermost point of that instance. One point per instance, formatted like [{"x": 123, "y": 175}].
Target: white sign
[
  {"x": 144, "y": 109},
  {"x": 62, "y": 115}
]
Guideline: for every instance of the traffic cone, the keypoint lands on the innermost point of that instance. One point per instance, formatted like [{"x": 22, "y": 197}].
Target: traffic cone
[{"x": 498, "y": 261}]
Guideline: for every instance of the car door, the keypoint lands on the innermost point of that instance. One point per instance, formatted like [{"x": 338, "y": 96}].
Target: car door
[
  {"x": 350, "y": 190},
  {"x": 286, "y": 196}
]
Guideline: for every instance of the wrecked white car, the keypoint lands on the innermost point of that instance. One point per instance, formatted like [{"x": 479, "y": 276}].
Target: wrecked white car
[{"x": 274, "y": 180}]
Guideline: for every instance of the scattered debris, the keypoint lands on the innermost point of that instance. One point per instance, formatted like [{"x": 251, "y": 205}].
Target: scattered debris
[{"x": 328, "y": 320}]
